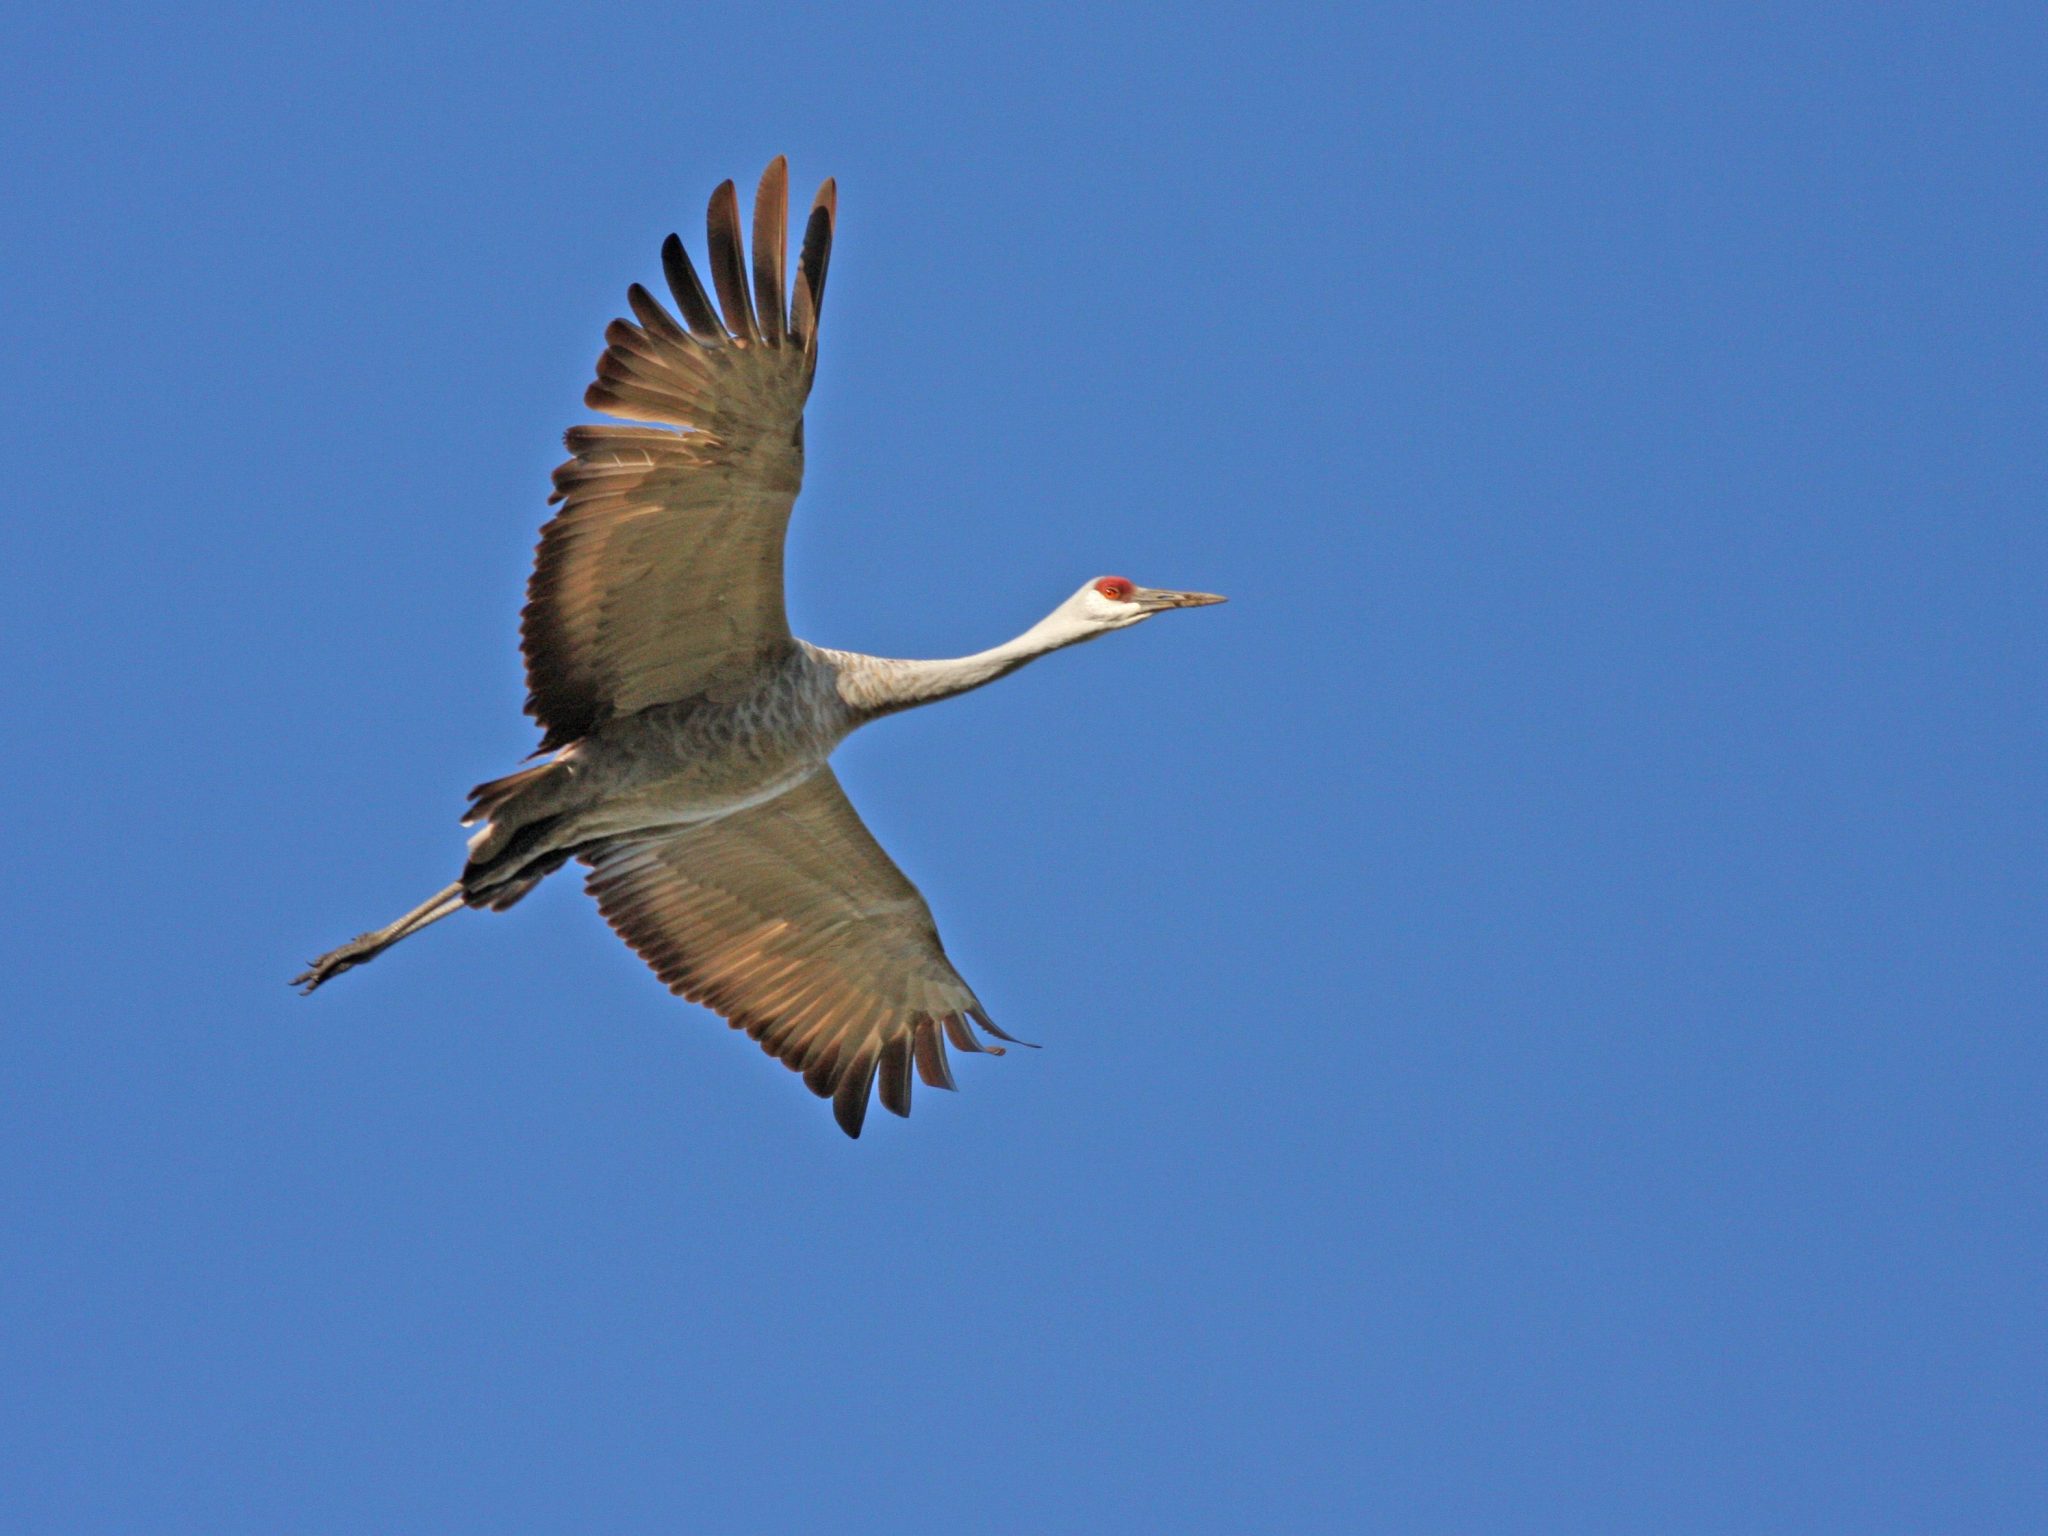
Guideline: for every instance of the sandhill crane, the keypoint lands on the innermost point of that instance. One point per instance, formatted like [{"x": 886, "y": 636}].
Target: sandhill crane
[{"x": 689, "y": 729}]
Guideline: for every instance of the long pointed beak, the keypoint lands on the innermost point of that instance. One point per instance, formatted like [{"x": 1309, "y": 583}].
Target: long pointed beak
[{"x": 1159, "y": 598}]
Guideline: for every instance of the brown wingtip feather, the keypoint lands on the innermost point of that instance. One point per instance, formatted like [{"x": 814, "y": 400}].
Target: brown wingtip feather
[
  {"x": 771, "y": 238},
  {"x": 964, "y": 1038},
  {"x": 729, "y": 262},
  {"x": 850, "y": 1097},
  {"x": 809, "y": 302},
  {"x": 896, "y": 1081},
  {"x": 651, "y": 313},
  {"x": 821, "y": 1074},
  {"x": 980, "y": 1016},
  {"x": 930, "y": 1052},
  {"x": 688, "y": 290}
]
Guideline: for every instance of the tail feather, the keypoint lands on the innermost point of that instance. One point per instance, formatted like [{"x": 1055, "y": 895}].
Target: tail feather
[{"x": 489, "y": 798}]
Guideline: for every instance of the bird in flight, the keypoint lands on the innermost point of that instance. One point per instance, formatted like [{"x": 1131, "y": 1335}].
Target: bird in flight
[{"x": 687, "y": 730}]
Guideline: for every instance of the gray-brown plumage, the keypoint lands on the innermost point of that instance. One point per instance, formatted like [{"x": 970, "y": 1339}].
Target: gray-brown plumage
[{"x": 690, "y": 729}]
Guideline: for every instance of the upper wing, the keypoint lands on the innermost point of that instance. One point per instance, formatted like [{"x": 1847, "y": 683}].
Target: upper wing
[
  {"x": 661, "y": 577},
  {"x": 790, "y": 920}
]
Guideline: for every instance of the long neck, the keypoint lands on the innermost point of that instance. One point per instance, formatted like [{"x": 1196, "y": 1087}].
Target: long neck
[{"x": 880, "y": 685}]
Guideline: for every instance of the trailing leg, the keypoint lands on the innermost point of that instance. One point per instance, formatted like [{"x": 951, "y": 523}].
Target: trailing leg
[{"x": 367, "y": 947}]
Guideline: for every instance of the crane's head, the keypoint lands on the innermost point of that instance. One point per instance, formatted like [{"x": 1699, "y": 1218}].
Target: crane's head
[{"x": 1116, "y": 602}]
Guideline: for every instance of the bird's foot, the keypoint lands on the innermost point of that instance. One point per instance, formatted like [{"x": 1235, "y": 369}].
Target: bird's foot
[{"x": 330, "y": 965}]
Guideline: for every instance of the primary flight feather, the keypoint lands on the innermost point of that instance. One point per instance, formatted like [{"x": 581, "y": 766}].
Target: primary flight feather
[{"x": 689, "y": 729}]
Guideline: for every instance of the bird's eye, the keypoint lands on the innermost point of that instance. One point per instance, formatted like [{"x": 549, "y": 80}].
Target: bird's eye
[{"x": 1116, "y": 589}]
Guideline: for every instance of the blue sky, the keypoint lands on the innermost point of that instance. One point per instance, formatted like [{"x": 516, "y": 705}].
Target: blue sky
[{"x": 1541, "y": 995}]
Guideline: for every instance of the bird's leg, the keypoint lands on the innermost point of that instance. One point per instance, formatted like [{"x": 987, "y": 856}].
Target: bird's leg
[{"x": 369, "y": 946}]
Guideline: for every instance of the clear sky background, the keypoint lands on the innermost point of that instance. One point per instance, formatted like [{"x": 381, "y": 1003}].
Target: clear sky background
[{"x": 1542, "y": 996}]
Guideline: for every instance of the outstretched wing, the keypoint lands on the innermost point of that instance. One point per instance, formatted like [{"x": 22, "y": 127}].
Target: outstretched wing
[
  {"x": 790, "y": 921},
  {"x": 661, "y": 577}
]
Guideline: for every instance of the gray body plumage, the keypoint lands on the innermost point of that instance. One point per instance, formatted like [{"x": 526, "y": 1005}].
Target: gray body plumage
[
  {"x": 681, "y": 764},
  {"x": 707, "y": 757}
]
